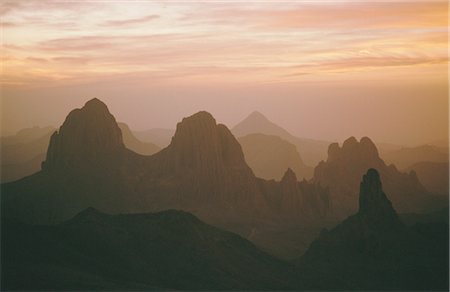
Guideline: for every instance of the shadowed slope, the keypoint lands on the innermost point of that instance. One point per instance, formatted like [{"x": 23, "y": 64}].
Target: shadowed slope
[
  {"x": 374, "y": 250},
  {"x": 166, "y": 250}
]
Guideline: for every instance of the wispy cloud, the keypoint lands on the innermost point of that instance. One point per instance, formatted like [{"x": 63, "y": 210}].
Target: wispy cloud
[{"x": 133, "y": 21}]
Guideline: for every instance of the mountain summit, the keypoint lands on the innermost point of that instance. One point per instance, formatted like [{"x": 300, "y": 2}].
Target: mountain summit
[
  {"x": 345, "y": 166},
  {"x": 88, "y": 137},
  {"x": 256, "y": 122},
  {"x": 374, "y": 206},
  {"x": 311, "y": 151}
]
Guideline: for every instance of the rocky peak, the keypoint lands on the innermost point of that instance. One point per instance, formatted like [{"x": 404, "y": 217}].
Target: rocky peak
[
  {"x": 202, "y": 144},
  {"x": 89, "y": 136},
  {"x": 289, "y": 177},
  {"x": 333, "y": 151},
  {"x": 374, "y": 206},
  {"x": 257, "y": 116},
  {"x": 364, "y": 149}
]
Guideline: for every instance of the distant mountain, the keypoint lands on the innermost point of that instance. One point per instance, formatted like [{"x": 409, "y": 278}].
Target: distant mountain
[
  {"x": 407, "y": 156},
  {"x": 26, "y": 135},
  {"x": 170, "y": 250},
  {"x": 23, "y": 153},
  {"x": 346, "y": 164},
  {"x": 132, "y": 143},
  {"x": 433, "y": 175},
  {"x": 203, "y": 171},
  {"x": 158, "y": 136},
  {"x": 311, "y": 151},
  {"x": 374, "y": 250},
  {"x": 269, "y": 156}
]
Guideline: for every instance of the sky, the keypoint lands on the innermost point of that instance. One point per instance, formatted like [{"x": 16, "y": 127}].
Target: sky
[{"x": 321, "y": 69}]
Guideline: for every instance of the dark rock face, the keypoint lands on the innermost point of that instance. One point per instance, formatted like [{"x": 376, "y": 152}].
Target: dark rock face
[
  {"x": 89, "y": 138},
  {"x": 344, "y": 167},
  {"x": 374, "y": 250},
  {"x": 374, "y": 206}
]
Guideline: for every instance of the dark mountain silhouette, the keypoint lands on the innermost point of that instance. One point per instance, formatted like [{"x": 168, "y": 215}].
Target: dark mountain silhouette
[
  {"x": 158, "y": 136},
  {"x": 136, "y": 145},
  {"x": 22, "y": 154},
  {"x": 88, "y": 139},
  {"x": 407, "y": 156},
  {"x": 203, "y": 170},
  {"x": 152, "y": 251},
  {"x": 433, "y": 175},
  {"x": 374, "y": 250},
  {"x": 311, "y": 151},
  {"x": 346, "y": 164},
  {"x": 269, "y": 156}
]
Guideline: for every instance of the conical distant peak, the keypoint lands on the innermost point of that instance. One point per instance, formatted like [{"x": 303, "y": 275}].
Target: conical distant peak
[{"x": 256, "y": 115}]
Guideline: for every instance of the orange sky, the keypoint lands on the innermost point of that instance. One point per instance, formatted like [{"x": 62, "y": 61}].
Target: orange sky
[{"x": 320, "y": 69}]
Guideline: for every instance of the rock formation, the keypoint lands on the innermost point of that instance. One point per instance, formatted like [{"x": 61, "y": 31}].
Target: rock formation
[
  {"x": 88, "y": 139},
  {"x": 344, "y": 167},
  {"x": 373, "y": 249},
  {"x": 203, "y": 170}
]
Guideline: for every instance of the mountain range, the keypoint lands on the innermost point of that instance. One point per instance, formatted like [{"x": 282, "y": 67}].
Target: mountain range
[
  {"x": 203, "y": 171},
  {"x": 174, "y": 250}
]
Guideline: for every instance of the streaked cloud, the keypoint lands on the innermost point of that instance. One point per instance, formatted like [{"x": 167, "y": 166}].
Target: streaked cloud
[
  {"x": 52, "y": 42},
  {"x": 133, "y": 21}
]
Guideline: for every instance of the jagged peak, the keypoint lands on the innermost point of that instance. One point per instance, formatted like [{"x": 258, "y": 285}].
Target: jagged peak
[
  {"x": 289, "y": 176},
  {"x": 95, "y": 103},
  {"x": 374, "y": 206},
  {"x": 350, "y": 143},
  {"x": 351, "y": 147}
]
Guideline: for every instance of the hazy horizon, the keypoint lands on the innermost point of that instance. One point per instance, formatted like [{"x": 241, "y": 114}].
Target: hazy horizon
[{"x": 325, "y": 70}]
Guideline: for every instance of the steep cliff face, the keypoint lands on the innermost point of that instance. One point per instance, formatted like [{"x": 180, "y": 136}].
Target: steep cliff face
[
  {"x": 346, "y": 164},
  {"x": 204, "y": 166},
  {"x": 374, "y": 207},
  {"x": 89, "y": 139}
]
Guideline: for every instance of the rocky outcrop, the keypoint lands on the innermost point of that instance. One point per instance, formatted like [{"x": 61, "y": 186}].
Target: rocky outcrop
[
  {"x": 88, "y": 139},
  {"x": 344, "y": 167},
  {"x": 374, "y": 250},
  {"x": 374, "y": 206}
]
